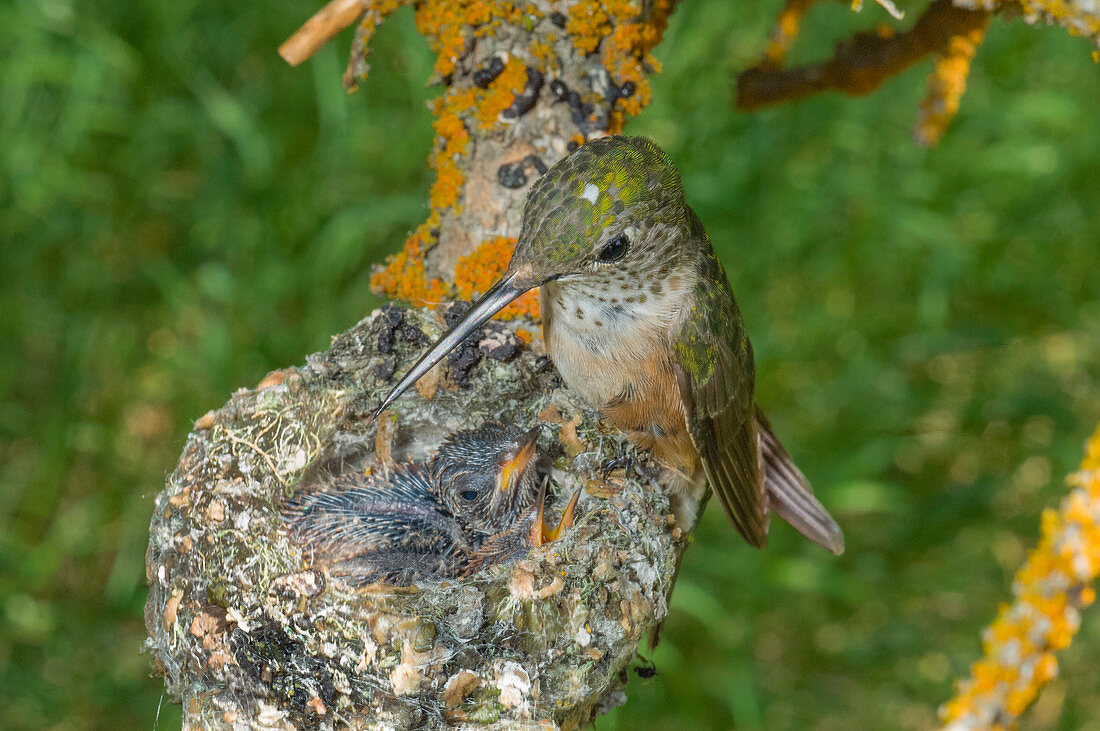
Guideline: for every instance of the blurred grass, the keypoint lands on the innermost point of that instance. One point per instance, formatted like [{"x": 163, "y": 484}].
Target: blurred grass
[{"x": 180, "y": 213}]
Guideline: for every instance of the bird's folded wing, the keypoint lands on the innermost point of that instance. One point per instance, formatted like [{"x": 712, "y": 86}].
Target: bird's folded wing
[
  {"x": 716, "y": 387},
  {"x": 504, "y": 546}
]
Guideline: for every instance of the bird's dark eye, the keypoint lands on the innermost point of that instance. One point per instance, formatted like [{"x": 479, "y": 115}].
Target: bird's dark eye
[
  {"x": 469, "y": 495},
  {"x": 615, "y": 249}
]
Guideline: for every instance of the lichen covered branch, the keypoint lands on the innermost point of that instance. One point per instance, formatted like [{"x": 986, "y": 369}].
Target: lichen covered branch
[
  {"x": 1050, "y": 591},
  {"x": 523, "y": 83},
  {"x": 1079, "y": 17},
  {"x": 862, "y": 63},
  {"x": 946, "y": 84},
  {"x": 949, "y": 30}
]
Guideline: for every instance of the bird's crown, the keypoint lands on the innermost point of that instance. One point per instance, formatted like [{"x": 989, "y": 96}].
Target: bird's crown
[{"x": 591, "y": 197}]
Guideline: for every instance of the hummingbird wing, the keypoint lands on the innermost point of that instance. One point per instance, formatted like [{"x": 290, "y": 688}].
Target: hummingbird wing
[
  {"x": 790, "y": 494},
  {"x": 712, "y": 359},
  {"x": 504, "y": 546}
]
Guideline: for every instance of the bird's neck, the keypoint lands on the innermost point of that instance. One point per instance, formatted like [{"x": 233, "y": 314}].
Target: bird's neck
[
  {"x": 601, "y": 331},
  {"x": 620, "y": 306}
]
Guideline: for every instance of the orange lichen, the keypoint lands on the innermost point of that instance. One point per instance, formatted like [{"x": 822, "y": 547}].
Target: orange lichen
[
  {"x": 453, "y": 110},
  {"x": 543, "y": 53},
  {"x": 501, "y": 93},
  {"x": 403, "y": 275},
  {"x": 449, "y": 23},
  {"x": 784, "y": 33},
  {"x": 1051, "y": 589},
  {"x": 446, "y": 24},
  {"x": 624, "y": 33},
  {"x": 452, "y": 140},
  {"x": 482, "y": 267},
  {"x": 627, "y": 54},
  {"x": 523, "y": 14},
  {"x": 458, "y": 111},
  {"x": 849, "y": 70},
  {"x": 946, "y": 85},
  {"x": 588, "y": 24},
  {"x": 950, "y": 29},
  {"x": 621, "y": 32}
]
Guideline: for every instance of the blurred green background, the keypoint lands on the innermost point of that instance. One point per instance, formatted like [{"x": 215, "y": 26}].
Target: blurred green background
[{"x": 181, "y": 213}]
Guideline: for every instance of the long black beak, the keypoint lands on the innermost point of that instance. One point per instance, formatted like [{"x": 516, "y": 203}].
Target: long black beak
[{"x": 499, "y": 296}]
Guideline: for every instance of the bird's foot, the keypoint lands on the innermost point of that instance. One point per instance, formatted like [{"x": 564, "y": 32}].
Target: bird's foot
[{"x": 625, "y": 462}]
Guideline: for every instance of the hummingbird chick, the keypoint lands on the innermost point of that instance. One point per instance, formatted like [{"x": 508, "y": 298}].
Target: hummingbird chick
[
  {"x": 498, "y": 492},
  {"x": 639, "y": 318},
  {"x": 369, "y": 528},
  {"x": 428, "y": 520}
]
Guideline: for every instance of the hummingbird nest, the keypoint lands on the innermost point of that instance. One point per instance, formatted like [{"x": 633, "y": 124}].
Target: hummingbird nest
[{"x": 248, "y": 632}]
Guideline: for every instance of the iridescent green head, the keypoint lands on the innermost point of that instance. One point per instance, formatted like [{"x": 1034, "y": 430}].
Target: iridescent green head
[
  {"x": 613, "y": 208},
  {"x": 597, "y": 208}
]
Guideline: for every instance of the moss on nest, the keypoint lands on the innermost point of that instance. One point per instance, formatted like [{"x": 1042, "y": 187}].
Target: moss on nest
[{"x": 245, "y": 630}]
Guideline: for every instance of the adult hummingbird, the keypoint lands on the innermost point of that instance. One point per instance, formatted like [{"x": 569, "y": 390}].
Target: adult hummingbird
[
  {"x": 478, "y": 501},
  {"x": 639, "y": 318}
]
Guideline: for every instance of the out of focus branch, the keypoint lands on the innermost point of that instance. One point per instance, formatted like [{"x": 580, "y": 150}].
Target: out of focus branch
[
  {"x": 320, "y": 29},
  {"x": 946, "y": 85},
  {"x": 862, "y": 63},
  {"x": 1050, "y": 589}
]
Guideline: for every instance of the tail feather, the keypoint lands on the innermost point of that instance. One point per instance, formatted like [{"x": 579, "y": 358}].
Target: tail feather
[{"x": 790, "y": 495}]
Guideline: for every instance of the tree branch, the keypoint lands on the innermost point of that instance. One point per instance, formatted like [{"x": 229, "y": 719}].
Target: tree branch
[
  {"x": 320, "y": 29},
  {"x": 862, "y": 63}
]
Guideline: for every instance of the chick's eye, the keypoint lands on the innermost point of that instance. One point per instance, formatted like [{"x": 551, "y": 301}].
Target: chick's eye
[
  {"x": 468, "y": 495},
  {"x": 615, "y": 249}
]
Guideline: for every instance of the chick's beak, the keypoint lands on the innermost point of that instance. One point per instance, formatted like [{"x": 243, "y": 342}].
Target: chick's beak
[
  {"x": 499, "y": 296},
  {"x": 513, "y": 468},
  {"x": 540, "y": 533}
]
